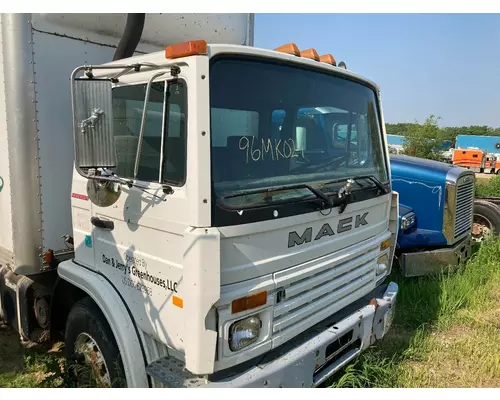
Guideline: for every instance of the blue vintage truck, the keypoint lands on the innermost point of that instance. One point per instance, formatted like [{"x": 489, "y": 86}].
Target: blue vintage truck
[
  {"x": 436, "y": 206},
  {"x": 438, "y": 214}
]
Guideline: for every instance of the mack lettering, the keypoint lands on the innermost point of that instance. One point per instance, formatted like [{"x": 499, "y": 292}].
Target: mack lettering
[{"x": 343, "y": 225}]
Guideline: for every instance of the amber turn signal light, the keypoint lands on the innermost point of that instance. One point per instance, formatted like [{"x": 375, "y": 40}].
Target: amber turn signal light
[{"x": 249, "y": 302}]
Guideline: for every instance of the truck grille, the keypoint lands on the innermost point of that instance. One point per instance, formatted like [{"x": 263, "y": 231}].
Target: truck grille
[
  {"x": 332, "y": 283},
  {"x": 464, "y": 206}
]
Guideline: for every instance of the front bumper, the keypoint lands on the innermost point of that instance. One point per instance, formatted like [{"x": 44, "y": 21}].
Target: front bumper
[
  {"x": 429, "y": 262},
  {"x": 331, "y": 345}
]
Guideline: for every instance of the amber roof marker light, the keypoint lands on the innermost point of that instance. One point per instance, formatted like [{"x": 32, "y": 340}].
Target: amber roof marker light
[
  {"x": 289, "y": 48},
  {"x": 311, "y": 54},
  {"x": 328, "y": 59},
  {"x": 186, "y": 49}
]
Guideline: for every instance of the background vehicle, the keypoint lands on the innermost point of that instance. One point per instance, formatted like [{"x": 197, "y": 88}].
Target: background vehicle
[
  {"x": 436, "y": 202},
  {"x": 486, "y": 217},
  {"x": 489, "y": 144},
  {"x": 476, "y": 160},
  {"x": 199, "y": 244}
]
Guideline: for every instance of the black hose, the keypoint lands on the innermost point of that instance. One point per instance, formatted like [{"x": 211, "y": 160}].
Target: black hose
[{"x": 131, "y": 36}]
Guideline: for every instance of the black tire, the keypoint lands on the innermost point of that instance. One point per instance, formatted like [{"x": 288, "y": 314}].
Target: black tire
[
  {"x": 86, "y": 320},
  {"x": 487, "y": 214}
]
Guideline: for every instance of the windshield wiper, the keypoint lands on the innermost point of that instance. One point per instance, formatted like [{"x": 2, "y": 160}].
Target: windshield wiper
[
  {"x": 316, "y": 192},
  {"x": 344, "y": 194},
  {"x": 374, "y": 179}
]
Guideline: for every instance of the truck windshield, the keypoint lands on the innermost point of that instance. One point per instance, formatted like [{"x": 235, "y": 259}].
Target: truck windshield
[{"x": 275, "y": 125}]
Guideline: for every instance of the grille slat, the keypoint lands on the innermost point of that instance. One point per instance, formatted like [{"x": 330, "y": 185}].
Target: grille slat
[
  {"x": 313, "y": 295},
  {"x": 464, "y": 208},
  {"x": 325, "y": 277},
  {"x": 317, "y": 305},
  {"x": 319, "y": 288}
]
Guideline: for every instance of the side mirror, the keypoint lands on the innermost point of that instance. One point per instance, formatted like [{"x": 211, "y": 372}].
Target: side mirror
[{"x": 93, "y": 124}]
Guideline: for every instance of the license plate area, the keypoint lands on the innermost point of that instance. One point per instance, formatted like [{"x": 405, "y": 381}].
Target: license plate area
[
  {"x": 389, "y": 318},
  {"x": 336, "y": 350}
]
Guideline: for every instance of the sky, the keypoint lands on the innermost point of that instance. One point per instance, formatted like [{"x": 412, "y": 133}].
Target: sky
[{"x": 442, "y": 64}]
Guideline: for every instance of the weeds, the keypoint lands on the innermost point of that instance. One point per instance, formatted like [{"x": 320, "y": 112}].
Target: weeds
[
  {"x": 445, "y": 333},
  {"x": 490, "y": 187},
  {"x": 36, "y": 367}
]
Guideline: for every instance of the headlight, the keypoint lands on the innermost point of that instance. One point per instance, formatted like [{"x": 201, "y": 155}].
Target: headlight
[
  {"x": 408, "y": 220},
  {"x": 382, "y": 264},
  {"x": 243, "y": 333}
]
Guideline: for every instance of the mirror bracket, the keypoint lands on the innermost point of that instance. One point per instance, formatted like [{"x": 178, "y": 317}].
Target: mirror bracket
[{"x": 143, "y": 121}]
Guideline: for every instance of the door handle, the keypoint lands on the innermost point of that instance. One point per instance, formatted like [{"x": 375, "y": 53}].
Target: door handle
[{"x": 99, "y": 223}]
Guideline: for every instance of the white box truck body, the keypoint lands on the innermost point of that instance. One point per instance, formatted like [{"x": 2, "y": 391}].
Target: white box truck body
[{"x": 154, "y": 212}]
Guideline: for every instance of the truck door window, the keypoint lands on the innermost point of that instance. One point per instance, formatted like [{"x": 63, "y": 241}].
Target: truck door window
[
  {"x": 128, "y": 103},
  {"x": 174, "y": 146}
]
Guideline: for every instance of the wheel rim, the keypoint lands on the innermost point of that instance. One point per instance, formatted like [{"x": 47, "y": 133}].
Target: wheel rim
[
  {"x": 90, "y": 362},
  {"x": 481, "y": 228}
]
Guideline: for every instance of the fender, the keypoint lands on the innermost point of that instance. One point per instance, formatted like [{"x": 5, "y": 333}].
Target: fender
[{"x": 107, "y": 299}]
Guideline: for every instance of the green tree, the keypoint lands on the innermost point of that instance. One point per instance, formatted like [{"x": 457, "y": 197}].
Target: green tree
[{"x": 423, "y": 140}]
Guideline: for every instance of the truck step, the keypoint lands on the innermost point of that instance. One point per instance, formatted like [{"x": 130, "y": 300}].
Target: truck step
[{"x": 172, "y": 373}]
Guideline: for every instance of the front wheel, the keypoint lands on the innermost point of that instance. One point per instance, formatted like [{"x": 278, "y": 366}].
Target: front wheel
[
  {"x": 91, "y": 350},
  {"x": 486, "y": 220}
]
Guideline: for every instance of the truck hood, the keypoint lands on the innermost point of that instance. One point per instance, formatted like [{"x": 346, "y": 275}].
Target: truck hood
[
  {"x": 421, "y": 185},
  {"x": 420, "y": 169}
]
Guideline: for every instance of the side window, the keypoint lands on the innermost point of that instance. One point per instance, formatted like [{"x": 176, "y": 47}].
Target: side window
[
  {"x": 174, "y": 147},
  {"x": 128, "y": 103}
]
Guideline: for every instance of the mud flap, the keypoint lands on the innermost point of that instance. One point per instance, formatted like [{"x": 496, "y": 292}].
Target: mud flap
[{"x": 15, "y": 301}]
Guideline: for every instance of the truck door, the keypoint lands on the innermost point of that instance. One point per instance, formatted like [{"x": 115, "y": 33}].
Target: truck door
[{"x": 138, "y": 239}]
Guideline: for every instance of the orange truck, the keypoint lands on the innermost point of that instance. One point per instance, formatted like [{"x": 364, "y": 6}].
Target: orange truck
[{"x": 476, "y": 160}]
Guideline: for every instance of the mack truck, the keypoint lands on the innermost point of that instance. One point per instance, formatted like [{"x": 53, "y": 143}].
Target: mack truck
[{"x": 154, "y": 220}]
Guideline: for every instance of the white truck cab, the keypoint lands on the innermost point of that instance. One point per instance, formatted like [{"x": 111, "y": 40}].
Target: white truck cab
[{"x": 211, "y": 246}]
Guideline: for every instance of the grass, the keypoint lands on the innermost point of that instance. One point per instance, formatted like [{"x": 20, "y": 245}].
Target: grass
[
  {"x": 446, "y": 332},
  {"x": 488, "y": 187},
  {"x": 35, "y": 365},
  {"x": 29, "y": 367}
]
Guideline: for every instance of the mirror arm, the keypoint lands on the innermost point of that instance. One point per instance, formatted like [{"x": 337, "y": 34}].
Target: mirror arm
[{"x": 143, "y": 121}]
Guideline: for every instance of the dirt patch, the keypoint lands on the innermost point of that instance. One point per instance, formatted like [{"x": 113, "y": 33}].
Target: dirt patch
[{"x": 11, "y": 351}]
